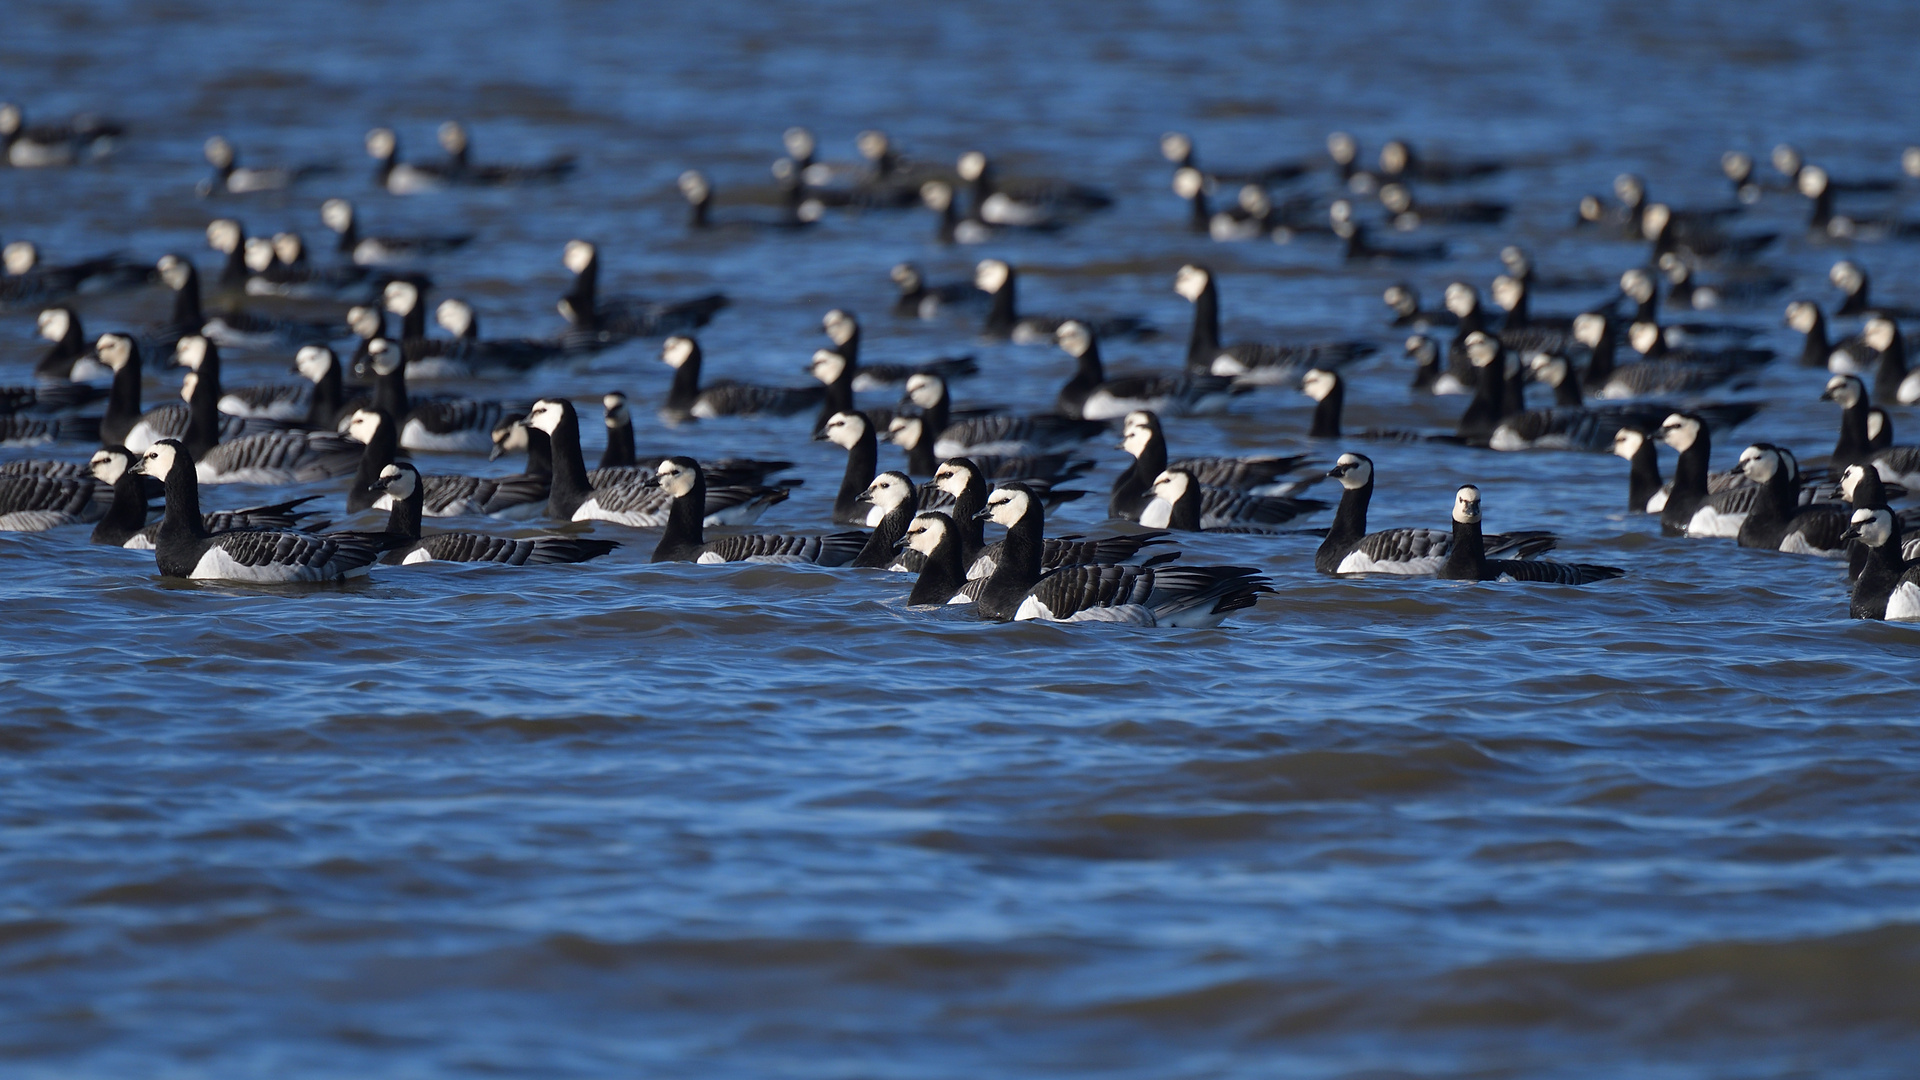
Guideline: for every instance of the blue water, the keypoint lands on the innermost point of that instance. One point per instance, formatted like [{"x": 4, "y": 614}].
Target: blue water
[{"x": 620, "y": 819}]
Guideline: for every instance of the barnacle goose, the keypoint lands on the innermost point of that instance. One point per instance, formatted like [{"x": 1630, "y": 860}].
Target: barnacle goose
[
  {"x": 125, "y": 522},
  {"x": 605, "y": 320},
  {"x": 1776, "y": 521},
  {"x": 1818, "y": 188},
  {"x": 1180, "y": 503},
  {"x": 1463, "y": 300},
  {"x": 1020, "y": 588},
  {"x": 1411, "y": 212},
  {"x": 1659, "y": 224},
  {"x": 453, "y": 425},
  {"x": 184, "y": 548},
  {"x": 1729, "y": 497},
  {"x": 1852, "y": 281},
  {"x": 239, "y": 329},
  {"x": 688, "y": 400},
  {"x": 313, "y": 404},
  {"x": 66, "y": 357},
  {"x": 405, "y": 544},
  {"x": 1889, "y": 583},
  {"x": 683, "y": 541},
  {"x": 1344, "y": 150},
  {"x": 991, "y": 435},
  {"x": 340, "y": 216},
  {"x": 1733, "y": 289},
  {"x": 1025, "y": 202},
  {"x": 1862, "y": 488},
  {"x": 854, "y": 431},
  {"x": 280, "y": 267},
  {"x": 1254, "y": 214},
  {"x": 398, "y": 177},
  {"x": 1360, "y": 247},
  {"x": 33, "y": 503},
  {"x": 891, "y": 499},
  {"x": 1468, "y": 561},
  {"x": 619, "y": 452},
  {"x": 456, "y": 317},
  {"x": 1090, "y": 395},
  {"x": 998, "y": 279},
  {"x": 1147, "y": 442},
  {"x": 935, "y": 538},
  {"x": 835, "y": 373},
  {"x": 1631, "y": 190},
  {"x": 1897, "y": 464},
  {"x": 843, "y": 329},
  {"x": 266, "y": 457},
  {"x": 1498, "y": 391},
  {"x": 921, "y": 300},
  {"x": 125, "y": 425},
  {"x": 639, "y": 502},
  {"x": 1177, "y": 147},
  {"x": 1573, "y": 425},
  {"x": 1399, "y": 162},
  {"x": 1350, "y": 549},
  {"x": 1817, "y": 349},
  {"x": 513, "y": 435},
  {"x": 427, "y": 358},
  {"x": 522, "y": 495},
  {"x": 27, "y": 280},
  {"x": 1437, "y": 373},
  {"x": 797, "y": 211},
  {"x": 1687, "y": 511},
  {"x": 950, "y": 227},
  {"x": 1258, "y": 363},
  {"x": 453, "y": 138},
  {"x": 1886, "y": 354},
  {"x": 42, "y": 146},
  {"x": 1404, "y": 301},
  {"x": 231, "y": 177},
  {"x": 961, "y": 480},
  {"x": 911, "y": 434}
]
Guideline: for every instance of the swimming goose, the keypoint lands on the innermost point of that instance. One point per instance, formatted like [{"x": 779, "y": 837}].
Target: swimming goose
[
  {"x": 1732, "y": 289},
  {"x": 681, "y": 479},
  {"x": 1777, "y": 522},
  {"x": 66, "y": 358},
  {"x": 1254, "y": 214},
  {"x": 125, "y": 522},
  {"x": 26, "y": 280},
  {"x": 1350, "y": 549},
  {"x": 688, "y": 400},
  {"x": 267, "y": 457},
  {"x": 1822, "y": 219},
  {"x": 1404, "y": 301},
  {"x": 398, "y": 177},
  {"x": 991, "y": 435},
  {"x": 1182, "y": 504},
  {"x": 607, "y": 320},
  {"x": 1687, "y": 512},
  {"x": 125, "y": 425},
  {"x": 1881, "y": 349},
  {"x": 339, "y": 216},
  {"x": 40, "y": 146},
  {"x": 1020, "y": 587},
  {"x": 961, "y": 480},
  {"x": 1661, "y": 369},
  {"x": 513, "y": 435},
  {"x": 405, "y": 544},
  {"x": 1862, "y": 488},
  {"x": 1411, "y": 212},
  {"x": 853, "y": 432},
  {"x": 799, "y": 209},
  {"x": 1399, "y": 162},
  {"x": 1257, "y": 363},
  {"x": 280, "y": 267},
  {"x": 1817, "y": 350},
  {"x": 1468, "y": 561},
  {"x": 233, "y": 328},
  {"x": 950, "y": 227},
  {"x": 1091, "y": 395},
  {"x": 1438, "y": 374},
  {"x": 1896, "y": 464},
  {"x": 1147, "y": 442},
  {"x": 892, "y": 501},
  {"x": 34, "y": 503},
  {"x": 921, "y": 300},
  {"x": 910, "y": 433},
  {"x": 456, "y": 317},
  {"x": 314, "y": 404},
  {"x": 1177, "y": 147},
  {"x": 843, "y": 329},
  {"x": 639, "y": 502},
  {"x": 1663, "y": 228},
  {"x": 1499, "y": 390},
  {"x": 935, "y": 539},
  {"x": 619, "y": 451},
  {"x": 1573, "y": 425},
  {"x": 1000, "y": 281},
  {"x": 1888, "y": 586},
  {"x": 1463, "y": 302},
  {"x": 232, "y": 178},
  {"x": 1730, "y": 495},
  {"x": 522, "y": 495},
  {"x": 460, "y": 169},
  {"x": 835, "y": 373},
  {"x": 184, "y": 548},
  {"x": 1024, "y": 202},
  {"x": 449, "y": 425},
  {"x": 1851, "y": 279},
  {"x": 1360, "y": 247}
]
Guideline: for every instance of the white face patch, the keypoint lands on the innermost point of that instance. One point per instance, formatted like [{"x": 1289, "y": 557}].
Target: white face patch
[
  {"x": 107, "y": 466},
  {"x": 925, "y": 534},
  {"x": 1393, "y": 156},
  {"x": 1190, "y": 282},
  {"x": 1736, "y": 166},
  {"x": 1318, "y": 384},
  {"x": 288, "y": 247},
  {"x": 1466, "y": 505},
  {"x": 798, "y": 142},
  {"x": 907, "y": 276},
  {"x": 827, "y": 366},
  {"x": 381, "y": 143},
  {"x": 115, "y": 350},
  {"x": 1680, "y": 432},
  {"x": 1846, "y": 390},
  {"x": 578, "y": 256},
  {"x": 845, "y": 429},
  {"x": 401, "y": 296},
  {"x": 1627, "y": 442},
  {"x": 1461, "y": 300},
  {"x": 1850, "y": 480},
  {"x": 1876, "y": 526},
  {"x": 1253, "y": 199},
  {"x": 1846, "y": 276},
  {"x": 1005, "y": 507},
  {"x": 19, "y": 257},
  {"x": 190, "y": 352},
  {"x": 991, "y": 275},
  {"x": 385, "y": 358},
  {"x": 677, "y": 480},
  {"x": 1813, "y": 181},
  {"x": 1340, "y": 213},
  {"x": 676, "y": 351},
  {"x": 176, "y": 272},
  {"x": 259, "y": 254},
  {"x": 1508, "y": 292},
  {"x": 1175, "y": 146},
  {"x": 364, "y": 321},
  {"x": 223, "y": 235},
  {"x": 546, "y": 416},
  {"x": 1551, "y": 370},
  {"x": 1802, "y": 316},
  {"x": 971, "y": 165},
  {"x": 1643, "y": 336},
  {"x": 1396, "y": 197},
  {"x": 1481, "y": 349},
  {"x": 158, "y": 461},
  {"x": 1137, "y": 439},
  {"x": 314, "y": 362},
  {"x": 10, "y": 118},
  {"x": 1171, "y": 485},
  {"x": 1629, "y": 188},
  {"x": 693, "y": 187},
  {"x": 839, "y": 326},
  {"x": 453, "y": 137},
  {"x": 951, "y": 479},
  {"x": 1653, "y": 220},
  {"x": 926, "y": 390},
  {"x": 887, "y": 491},
  {"x": 1637, "y": 285},
  {"x": 219, "y": 152},
  {"x": 1074, "y": 337},
  {"x": 53, "y": 323},
  {"x": 454, "y": 316},
  {"x": 1188, "y": 183},
  {"x": 872, "y": 145},
  {"x": 1759, "y": 465},
  {"x": 936, "y": 195},
  {"x": 1341, "y": 148},
  {"x": 337, "y": 215},
  {"x": 1878, "y": 334},
  {"x": 362, "y": 425},
  {"x": 1588, "y": 329},
  {"x": 906, "y": 431},
  {"x": 1359, "y": 471},
  {"x": 398, "y": 482}
]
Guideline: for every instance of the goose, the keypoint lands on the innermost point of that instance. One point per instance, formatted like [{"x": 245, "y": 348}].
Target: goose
[
  {"x": 1463, "y": 301},
  {"x": 232, "y": 328},
  {"x": 951, "y": 228},
  {"x": 48, "y": 399},
  {"x": 405, "y": 544},
  {"x": 835, "y": 372},
  {"x": 1814, "y": 183},
  {"x": 1791, "y": 164},
  {"x": 460, "y": 169},
  {"x": 1025, "y": 202},
  {"x": 1436, "y": 373},
  {"x": 1885, "y": 356},
  {"x": 1862, "y": 488},
  {"x": 1020, "y": 588},
  {"x": 1256, "y": 363},
  {"x": 184, "y": 547},
  {"x": 1777, "y": 522},
  {"x": 607, "y": 320},
  {"x": 688, "y": 400},
  {"x": 1498, "y": 392},
  {"x": 280, "y": 267},
  {"x": 935, "y": 539},
  {"x": 1350, "y": 549},
  {"x": 67, "y": 357},
  {"x": 962, "y": 481},
  {"x": 1145, "y": 440},
  {"x": 42, "y": 146},
  {"x": 1360, "y": 247},
  {"x": 449, "y": 425},
  {"x": 1411, "y": 212},
  {"x": 1896, "y": 464},
  {"x": 1852, "y": 281},
  {"x": 1659, "y": 225},
  {"x": 854, "y": 432},
  {"x": 1639, "y": 286},
  {"x": 910, "y": 434},
  {"x": 1404, "y": 301},
  {"x": 267, "y": 457},
  {"x": 427, "y": 358},
  {"x": 315, "y": 404},
  {"x": 1254, "y": 214},
  {"x": 125, "y": 425},
  {"x": 1177, "y": 148},
  {"x": 34, "y": 503},
  {"x": 1631, "y": 190},
  {"x": 457, "y": 317},
  {"x": 1573, "y": 425},
  {"x": 843, "y": 329},
  {"x": 1399, "y": 162},
  {"x": 1686, "y": 512},
  {"x": 1467, "y": 561},
  {"x": 991, "y": 435},
  {"x": 798, "y": 210},
  {"x": 229, "y": 239},
  {"x": 21, "y": 431},
  {"x": 343, "y": 220},
  {"x": 639, "y": 502},
  {"x": 26, "y": 280},
  {"x": 1345, "y": 152},
  {"x": 682, "y": 540},
  {"x": 398, "y": 177},
  {"x": 918, "y": 299},
  {"x": 1182, "y": 504},
  {"x": 998, "y": 279},
  {"x": 231, "y": 178},
  {"x": 1729, "y": 494},
  {"x": 125, "y": 522},
  {"x": 513, "y": 435},
  {"x": 519, "y": 496},
  {"x": 1889, "y": 583},
  {"x": 892, "y": 501},
  {"x": 1817, "y": 350},
  {"x": 1662, "y": 369},
  {"x": 1742, "y": 289},
  {"x": 619, "y": 452},
  {"x": 1091, "y": 395}
]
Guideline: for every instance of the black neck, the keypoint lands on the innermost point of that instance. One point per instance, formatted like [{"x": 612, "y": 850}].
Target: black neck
[
  {"x": 1020, "y": 562},
  {"x": 1567, "y": 394},
  {"x": 379, "y": 453},
  {"x": 1185, "y": 515},
  {"x": 698, "y": 216},
  {"x": 1468, "y": 559},
  {"x": 1648, "y": 310},
  {"x": 1326, "y": 415},
  {"x": 1197, "y": 217},
  {"x": 684, "y": 533},
  {"x": 1203, "y": 343},
  {"x": 182, "y": 520},
  {"x": 1002, "y": 317},
  {"x": 187, "y": 317},
  {"x": 390, "y": 389},
  {"x": 686, "y": 382},
  {"x": 1643, "y": 476},
  {"x": 1822, "y": 212},
  {"x": 1484, "y": 411},
  {"x": 1513, "y": 398},
  {"x": 1689, "y": 485},
  {"x": 920, "y": 458},
  {"x": 943, "y": 574},
  {"x": 619, "y": 452},
  {"x": 839, "y": 398},
  {"x": 862, "y": 463},
  {"x": 1892, "y": 369},
  {"x": 1600, "y": 364},
  {"x": 203, "y": 409},
  {"x": 1521, "y": 313},
  {"x": 1087, "y": 376},
  {"x": 949, "y": 222},
  {"x": 413, "y": 325},
  {"x": 404, "y": 518},
  {"x": 123, "y": 401},
  {"x": 234, "y": 272},
  {"x": 1350, "y": 517},
  {"x": 128, "y": 514},
  {"x": 966, "y": 506},
  {"x": 1814, "y": 352},
  {"x": 349, "y": 237},
  {"x": 585, "y": 294},
  {"x": 323, "y": 408},
  {"x": 539, "y": 453},
  {"x": 570, "y": 487},
  {"x": 885, "y": 537},
  {"x": 1852, "y": 447}
]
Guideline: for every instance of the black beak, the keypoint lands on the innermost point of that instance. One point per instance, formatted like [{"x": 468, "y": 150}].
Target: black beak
[
  {"x": 1826, "y": 395},
  {"x": 1852, "y": 533},
  {"x": 1338, "y": 471},
  {"x": 984, "y": 515}
]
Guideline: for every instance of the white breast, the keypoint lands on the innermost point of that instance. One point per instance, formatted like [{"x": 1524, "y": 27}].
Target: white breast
[{"x": 1904, "y": 604}]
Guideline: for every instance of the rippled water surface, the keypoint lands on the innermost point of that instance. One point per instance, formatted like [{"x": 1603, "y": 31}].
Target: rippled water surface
[{"x": 755, "y": 821}]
